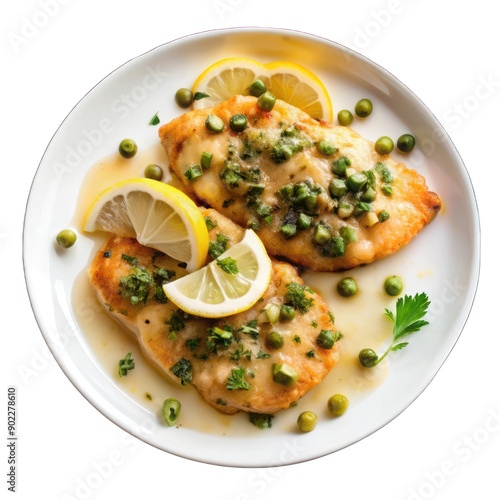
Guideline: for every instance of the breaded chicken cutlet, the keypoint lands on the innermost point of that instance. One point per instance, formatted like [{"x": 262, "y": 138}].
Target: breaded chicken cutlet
[
  {"x": 315, "y": 193},
  {"x": 227, "y": 360}
]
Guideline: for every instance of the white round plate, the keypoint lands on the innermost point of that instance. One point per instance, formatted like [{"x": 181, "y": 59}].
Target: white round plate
[{"x": 450, "y": 245}]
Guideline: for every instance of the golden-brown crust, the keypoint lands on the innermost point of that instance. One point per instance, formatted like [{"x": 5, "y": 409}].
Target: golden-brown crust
[{"x": 411, "y": 207}]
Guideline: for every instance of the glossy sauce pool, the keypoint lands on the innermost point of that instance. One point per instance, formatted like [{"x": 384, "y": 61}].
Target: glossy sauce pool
[{"x": 360, "y": 318}]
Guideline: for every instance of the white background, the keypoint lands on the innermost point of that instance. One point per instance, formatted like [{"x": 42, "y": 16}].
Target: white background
[{"x": 442, "y": 51}]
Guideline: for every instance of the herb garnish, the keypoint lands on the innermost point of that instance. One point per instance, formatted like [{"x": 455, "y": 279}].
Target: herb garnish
[
  {"x": 240, "y": 352},
  {"x": 296, "y": 339},
  {"x": 217, "y": 248},
  {"x": 408, "y": 319},
  {"x": 228, "y": 265},
  {"x": 251, "y": 329},
  {"x": 235, "y": 380},
  {"x": 218, "y": 337},
  {"x": 192, "y": 343},
  {"x": 261, "y": 420},
  {"x": 262, "y": 355},
  {"x": 131, "y": 260},
  {"x": 199, "y": 95},
  {"x": 155, "y": 120},
  {"x": 176, "y": 324},
  {"x": 296, "y": 297},
  {"x": 210, "y": 223},
  {"x": 136, "y": 285},
  {"x": 183, "y": 370},
  {"x": 125, "y": 364}
]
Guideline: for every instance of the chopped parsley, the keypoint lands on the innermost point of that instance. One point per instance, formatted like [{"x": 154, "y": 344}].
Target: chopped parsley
[
  {"x": 261, "y": 420},
  {"x": 155, "y": 120},
  {"x": 262, "y": 355},
  {"x": 240, "y": 352},
  {"x": 131, "y": 260},
  {"x": 251, "y": 329},
  {"x": 232, "y": 174},
  {"x": 387, "y": 189},
  {"x": 236, "y": 381},
  {"x": 210, "y": 223},
  {"x": 314, "y": 324},
  {"x": 227, "y": 203},
  {"x": 107, "y": 254},
  {"x": 296, "y": 339},
  {"x": 331, "y": 316},
  {"x": 192, "y": 173},
  {"x": 384, "y": 173},
  {"x": 136, "y": 285},
  {"x": 383, "y": 216},
  {"x": 176, "y": 323},
  {"x": 228, "y": 265},
  {"x": 184, "y": 370},
  {"x": 221, "y": 402},
  {"x": 156, "y": 255},
  {"x": 296, "y": 297},
  {"x": 161, "y": 277},
  {"x": 217, "y": 248},
  {"x": 125, "y": 364},
  {"x": 219, "y": 338},
  {"x": 311, "y": 353},
  {"x": 193, "y": 343}
]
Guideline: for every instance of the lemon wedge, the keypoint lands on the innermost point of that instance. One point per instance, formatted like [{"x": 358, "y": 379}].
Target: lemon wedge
[
  {"x": 288, "y": 81},
  {"x": 157, "y": 215},
  {"x": 212, "y": 292}
]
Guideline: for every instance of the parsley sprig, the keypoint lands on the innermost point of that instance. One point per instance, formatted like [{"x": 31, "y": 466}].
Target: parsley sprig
[{"x": 408, "y": 319}]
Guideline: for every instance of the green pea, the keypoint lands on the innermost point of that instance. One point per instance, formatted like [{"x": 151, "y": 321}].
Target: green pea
[
  {"x": 171, "y": 409},
  {"x": 275, "y": 340},
  {"x": 304, "y": 221},
  {"x": 393, "y": 286},
  {"x": 238, "y": 123},
  {"x": 338, "y": 188},
  {"x": 406, "y": 143},
  {"x": 266, "y": 101},
  {"x": 184, "y": 98},
  {"x": 153, "y": 172},
  {"x": 284, "y": 374},
  {"x": 326, "y": 148},
  {"x": 345, "y": 117},
  {"x": 127, "y": 148},
  {"x": 66, "y": 238},
  {"x": 384, "y": 145},
  {"x": 214, "y": 124},
  {"x": 307, "y": 421},
  {"x": 338, "y": 404},
  {"x": 257, "y": 88},
  {"x": 321, "y": 235},
  {"x": 287, "y": 312},
  {"x": 364, "y": 108},
  {"x": 347, "y": 287},
  {"x": 368, "y": 358}
]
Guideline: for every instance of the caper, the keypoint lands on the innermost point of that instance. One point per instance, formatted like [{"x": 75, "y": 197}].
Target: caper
[
  {"x": 287, "y": 312},
  {"x": 345, "y": 117},
  {"x": 127, "y": 148},
  {"x": 393, "y": 286},
  {"x": 368, "y": 358},
  {"x": 384, "y": 145},
  {"x": 66, "y": 238},
  {"x": 214, "y": 124},
  {"x": 406, "y": 143},
  {"x": 347, "y": 287},
  {"x": 266, "y": 101},
  {"x": 257, "y": 88},
  {"x": 275, "y": 340},
  {"x": 238, "y": 123},
  {"x": 363, "y": 108},
  {"x": 338, "y": 404},
  {"x": 307, "y": 421},
  {"x": 153, "y": 172},
  {"x": 184, "y": 98}
]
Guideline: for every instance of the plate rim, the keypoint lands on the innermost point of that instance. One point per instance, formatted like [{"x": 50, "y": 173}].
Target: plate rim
[{"x": 475, "y": 219}]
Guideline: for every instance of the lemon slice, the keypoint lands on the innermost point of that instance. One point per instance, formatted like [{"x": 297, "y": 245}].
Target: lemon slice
[
  {"x": 156, "y": 214},
  {"x": 213, "y": 293},
  {"x": 288, "y": 81}
]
